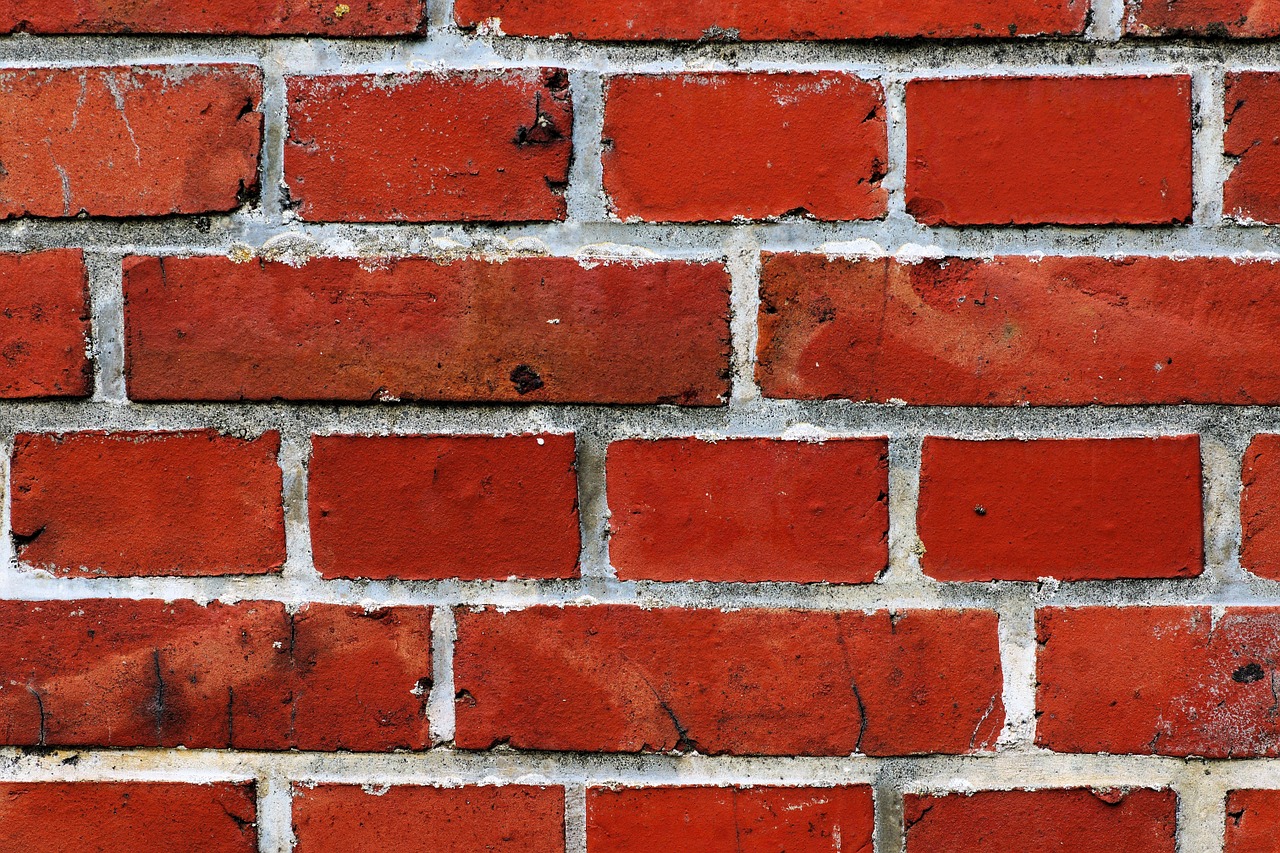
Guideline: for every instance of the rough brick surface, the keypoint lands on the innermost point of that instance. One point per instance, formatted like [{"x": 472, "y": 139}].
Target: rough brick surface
[
  {"x": 1015, "y": 330},
  {"x": 467, "y": 507},
  {"x": 1252, "y": 191},
  {"x": 1260, "y": 507},
  {"x": 1213, "y": 18},
  {"x": 1084, "y": 821},
  {"x": 1159, "y": 680},
  {"x": 105, "y": 817},
  {"x": 762, "y": 20},
  {"x": 419, "y": 819},
  {"x": 141, "y": 141},
  {"x": 1072, "y": 509},
  {"x": 768, "y": 682},
  {"x": 239, "y": 17},
  {"x": 1069, "y": 150},
  {"x": 129, "y": 504},
  {"x": 44, "y": 325},
  {"x": 115, "y": 673},
  {"x": 749, "y": 510},
  {"x": 730, "y": 820},
  {"x": 699, "y": 147},
  {"x": 526, "y": 330},
  {"x": 431, "y": 147},
  {"x": 1252, "y": 819}
]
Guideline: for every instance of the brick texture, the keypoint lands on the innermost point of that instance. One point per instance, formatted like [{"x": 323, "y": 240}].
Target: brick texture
[
  {"x": 1216, "y": 18},
  {"x": 528, "y": 330},
  {"x": 750, "y": 682},
  {"x": 749, "y": 510},
  {"x": 1260, "y": 507},
  {"x": 44, "y": 325},
  {"x": 255, "y": 17},
  {"x": 1252, "y": 192},
  {"x": 1252, "y": 817},
  {"x": 141, "y": 141}
]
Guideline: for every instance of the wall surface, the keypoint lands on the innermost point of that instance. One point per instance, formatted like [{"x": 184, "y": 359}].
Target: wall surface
[{"x": 620, "y": 425}]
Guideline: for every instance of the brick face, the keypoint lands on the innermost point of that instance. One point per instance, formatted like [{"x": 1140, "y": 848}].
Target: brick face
[
  {"x": 1252, "y": 192},
  {"x": 140, "y": 141},
  {"x": 713, "y": 147},
  {"x": 255, "y": 17},
  {"x": 1252, "y": 817},
  {"x": 1216, "y": 18},
  {"x": 44, "y": 325}
]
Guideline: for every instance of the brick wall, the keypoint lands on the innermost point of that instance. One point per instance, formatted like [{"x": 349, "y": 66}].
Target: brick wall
[{"x": 595, "y": 427}]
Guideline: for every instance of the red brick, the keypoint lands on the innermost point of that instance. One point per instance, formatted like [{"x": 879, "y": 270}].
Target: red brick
[
  {"x": 1260, "y": 507},
  {"x": 1068, "y": 150},
  {"x": 115, "y": 673},
  {"x": 103, "y": 817},
  {"x": 1159, "y": 680},
  {"x": 714, "y": 147},
  {"x": 1073, "y": 509},
  {"x": 763, "y": 20},
  {"x": 130, "y": 504},
  {"x": 420, "y": 507},
  {"x": 537, "y": 330},
  {"x": 44, "y": 325},
  {"x": 1014, "y": 330},
  {"x": 417, "y": 819},
  {"x": 749, "y": 510},
  {"x": 467, "y": 145},
  {"x": 229, "y": 17},
  {"x": 1080, "y": 820},
  {"x": 1252, "y": 191},
  {"x": 141, "y": 141},
  {"x": 613, "y": 678},
  {"x": 1215, "y": 18},
  {"x": 1252, "y": 820},
  {"x": 730, "y": 820}
]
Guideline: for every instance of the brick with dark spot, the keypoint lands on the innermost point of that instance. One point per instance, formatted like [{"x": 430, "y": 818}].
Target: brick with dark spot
[
  {"x": 1252, "y": 190},
  {"x": 1253, "y": 816},
  {"x": 44, "y": 325},
  {"x": 1211, "y": 18}
]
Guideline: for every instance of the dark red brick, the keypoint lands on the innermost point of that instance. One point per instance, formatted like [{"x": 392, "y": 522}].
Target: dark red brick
[
  {"x": 1016, "y": 330},
  {"x": 1252, "y": 191},
  {"x": 141, "y": 141},
  {"x": 44, "y": 325},
  {"x": 1068, "y": 150},
  {"x": 129, "y": 504},
  {"x": 536, "y": 330},
  {"x": 465, "y": 145},
  {"x": 1080, "y": 820},
  {"x": 1214, "y": 18},
  {"x": 1252, "y": 820},
  {"x": 699, "y": 147},
  {"x": 230, "y": 17},
  {"x": 763, "y": 20},
  {"x": 730, "y": 820},
  {"x": 472, "y": 507},
  {"x": 1260, "y": 507},
  {"x": 105, "y": 817},
  {"x": 613, "y": 678},
  {"x": 749, "y": 510},
  {"x": 1073, "y": 509},
  {"x": 1159, "y": 680},
  {"x": 114, "y": 673},
  {"x": 418, "y": 819}
]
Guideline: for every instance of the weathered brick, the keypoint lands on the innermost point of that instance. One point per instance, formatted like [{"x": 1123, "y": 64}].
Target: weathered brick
[
  {"x": 44, "y": 325},
  {"x": 1215, "y": 18},
  {"x": 1072, "y": 509},
  {"x": 749, "y": 510},
  {"x": 1017, "y": 330},
  {"x": 115, "y": 673},
  {"x": 1158, "y": 680},
  {"x": 613, "y": 678},
  {"x": 730, "y": 820},
  {"x": 1252, "y": 820},
  {"x": 715, "y": 147},
  {"x": 140, "y": 141},
  {"x": 527, "y": 329},
  {"x": 473, "y": 507},
  {"x": 420, "y": 819},
  {"x": 763, "y": 20},
  {"x": 97, "y": 817},
  {"x": 230, "y": 17},
  {"x": 1068, "y": 150},
  {"x": 1252, "y": 191},
  {"x": 129, "y": 504},
  {"x": 1080, "y": 820},
  {"x": 1260, "y": 507},
  {"x": 465, "y": 145}
]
